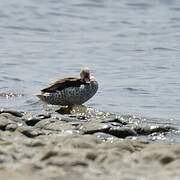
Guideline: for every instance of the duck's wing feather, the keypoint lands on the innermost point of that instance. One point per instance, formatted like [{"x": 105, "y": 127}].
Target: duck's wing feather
[{"x": 62, "y": 84}]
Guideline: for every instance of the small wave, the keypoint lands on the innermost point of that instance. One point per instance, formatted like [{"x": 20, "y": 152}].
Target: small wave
[
  {"x": 27, "y": 28},
  {"x": 93, "y": 5},
  {"x": 135, "y": 90},
  {"x": 175, "y": 19},
  {"x": 175, "y": 9},
  {"x": 68, "y": 15},
  {"x": 162, "y": 67},
  {"x": 11, "y": 63},
  {"x": 164, "y": 49},
  {"x": 11, "y": 78},
  {"x": 140, "y": 5},
  {"x": 139, "y": 50}
]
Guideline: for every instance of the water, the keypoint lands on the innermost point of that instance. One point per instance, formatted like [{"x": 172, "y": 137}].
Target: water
[{"x": 132, "y": 47}]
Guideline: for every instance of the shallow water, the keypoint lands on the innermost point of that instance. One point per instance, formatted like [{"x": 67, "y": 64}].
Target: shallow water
[{"x": 132, "y": 48}]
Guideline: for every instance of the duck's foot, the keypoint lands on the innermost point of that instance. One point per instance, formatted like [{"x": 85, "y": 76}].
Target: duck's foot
[
  {"x": 65, "y": 110},
  {"x": 73, "y": 109}
]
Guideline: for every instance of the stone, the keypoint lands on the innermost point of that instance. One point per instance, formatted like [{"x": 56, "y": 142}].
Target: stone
[
  {"x": 12, "y": 112},
  {"x": 122, "y": 132},
  {"x": 4, "y": 122},
  {"x": 53, "y": 125},
  {"x": 11, "y": 127},
  {"x": 92, "y": 127},
  {"x": 115, "y": 119},
  {"x": 147, "y": 129},
  {"x": 30, "y": 132},
  {"x": 11, "y": 118},
  {"x": 31, "y": 120},
  {"x": 118, "y": 131}
]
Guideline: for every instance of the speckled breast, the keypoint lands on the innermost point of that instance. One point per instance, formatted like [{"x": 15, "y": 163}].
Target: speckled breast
[{"x": 73, "y": 95}]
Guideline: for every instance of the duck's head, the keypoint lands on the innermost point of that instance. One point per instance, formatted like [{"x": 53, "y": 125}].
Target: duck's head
[{"x": 85, "y": 75}]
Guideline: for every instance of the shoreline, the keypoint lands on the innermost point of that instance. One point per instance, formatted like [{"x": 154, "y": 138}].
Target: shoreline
[{"x": 43, "y": 147}]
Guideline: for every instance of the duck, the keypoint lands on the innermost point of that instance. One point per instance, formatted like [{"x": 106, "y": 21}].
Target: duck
[{"x": 71, "y": 90}]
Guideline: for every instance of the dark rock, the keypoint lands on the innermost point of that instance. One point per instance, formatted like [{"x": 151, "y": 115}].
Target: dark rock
[
  {"x": 122, "y": 132},
  {"x": 13, "y": 112},
  {"x": 31, "y": 120},
  {"x": 146, "y": 130}
]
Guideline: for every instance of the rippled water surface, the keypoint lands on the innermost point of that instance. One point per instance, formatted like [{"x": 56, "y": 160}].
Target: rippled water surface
[{"x": 132, "y": 47}]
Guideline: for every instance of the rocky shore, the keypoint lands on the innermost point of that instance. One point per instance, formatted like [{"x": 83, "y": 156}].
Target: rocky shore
[{"x": 82, "y": 146}]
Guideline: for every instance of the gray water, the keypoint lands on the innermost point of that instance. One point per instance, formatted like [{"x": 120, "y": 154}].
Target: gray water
[{"x": 132, "y": 48}]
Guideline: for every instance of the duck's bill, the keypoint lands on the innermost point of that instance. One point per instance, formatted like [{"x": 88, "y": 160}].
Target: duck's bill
[{"x": 87, "y": 80}]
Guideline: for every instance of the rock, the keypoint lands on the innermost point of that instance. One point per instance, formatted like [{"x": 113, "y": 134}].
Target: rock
[
  {"x": 11, "y": 118},
  {"x": 9, "y": 122},
  {"x": 146, "y": 130},
  {"x": 115, "y": 119},
  {"x": 11, "y": 127},
  {"x": 4, "y": 122},
  {"x": 12, "y": 112},
  {"x": 42, "y": 124},
  {"x": 31, "y": 120},
  {"x": 30, "y": 132},
  {"x": 122, "y": 132},
  {"x": 104, "y": 136},
  {"x": 69, "y": 119},
  {"x": 92, "y": 127},
  {"x": 118, "y": 131},
  {"x": 54, "y": 125}
]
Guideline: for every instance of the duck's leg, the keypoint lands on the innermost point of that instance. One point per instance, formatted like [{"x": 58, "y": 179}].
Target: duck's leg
[{"x": 65, "y": 109}]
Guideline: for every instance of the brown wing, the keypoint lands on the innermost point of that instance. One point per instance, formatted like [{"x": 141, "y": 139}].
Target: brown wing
[{"x": 63, "y": 83}]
